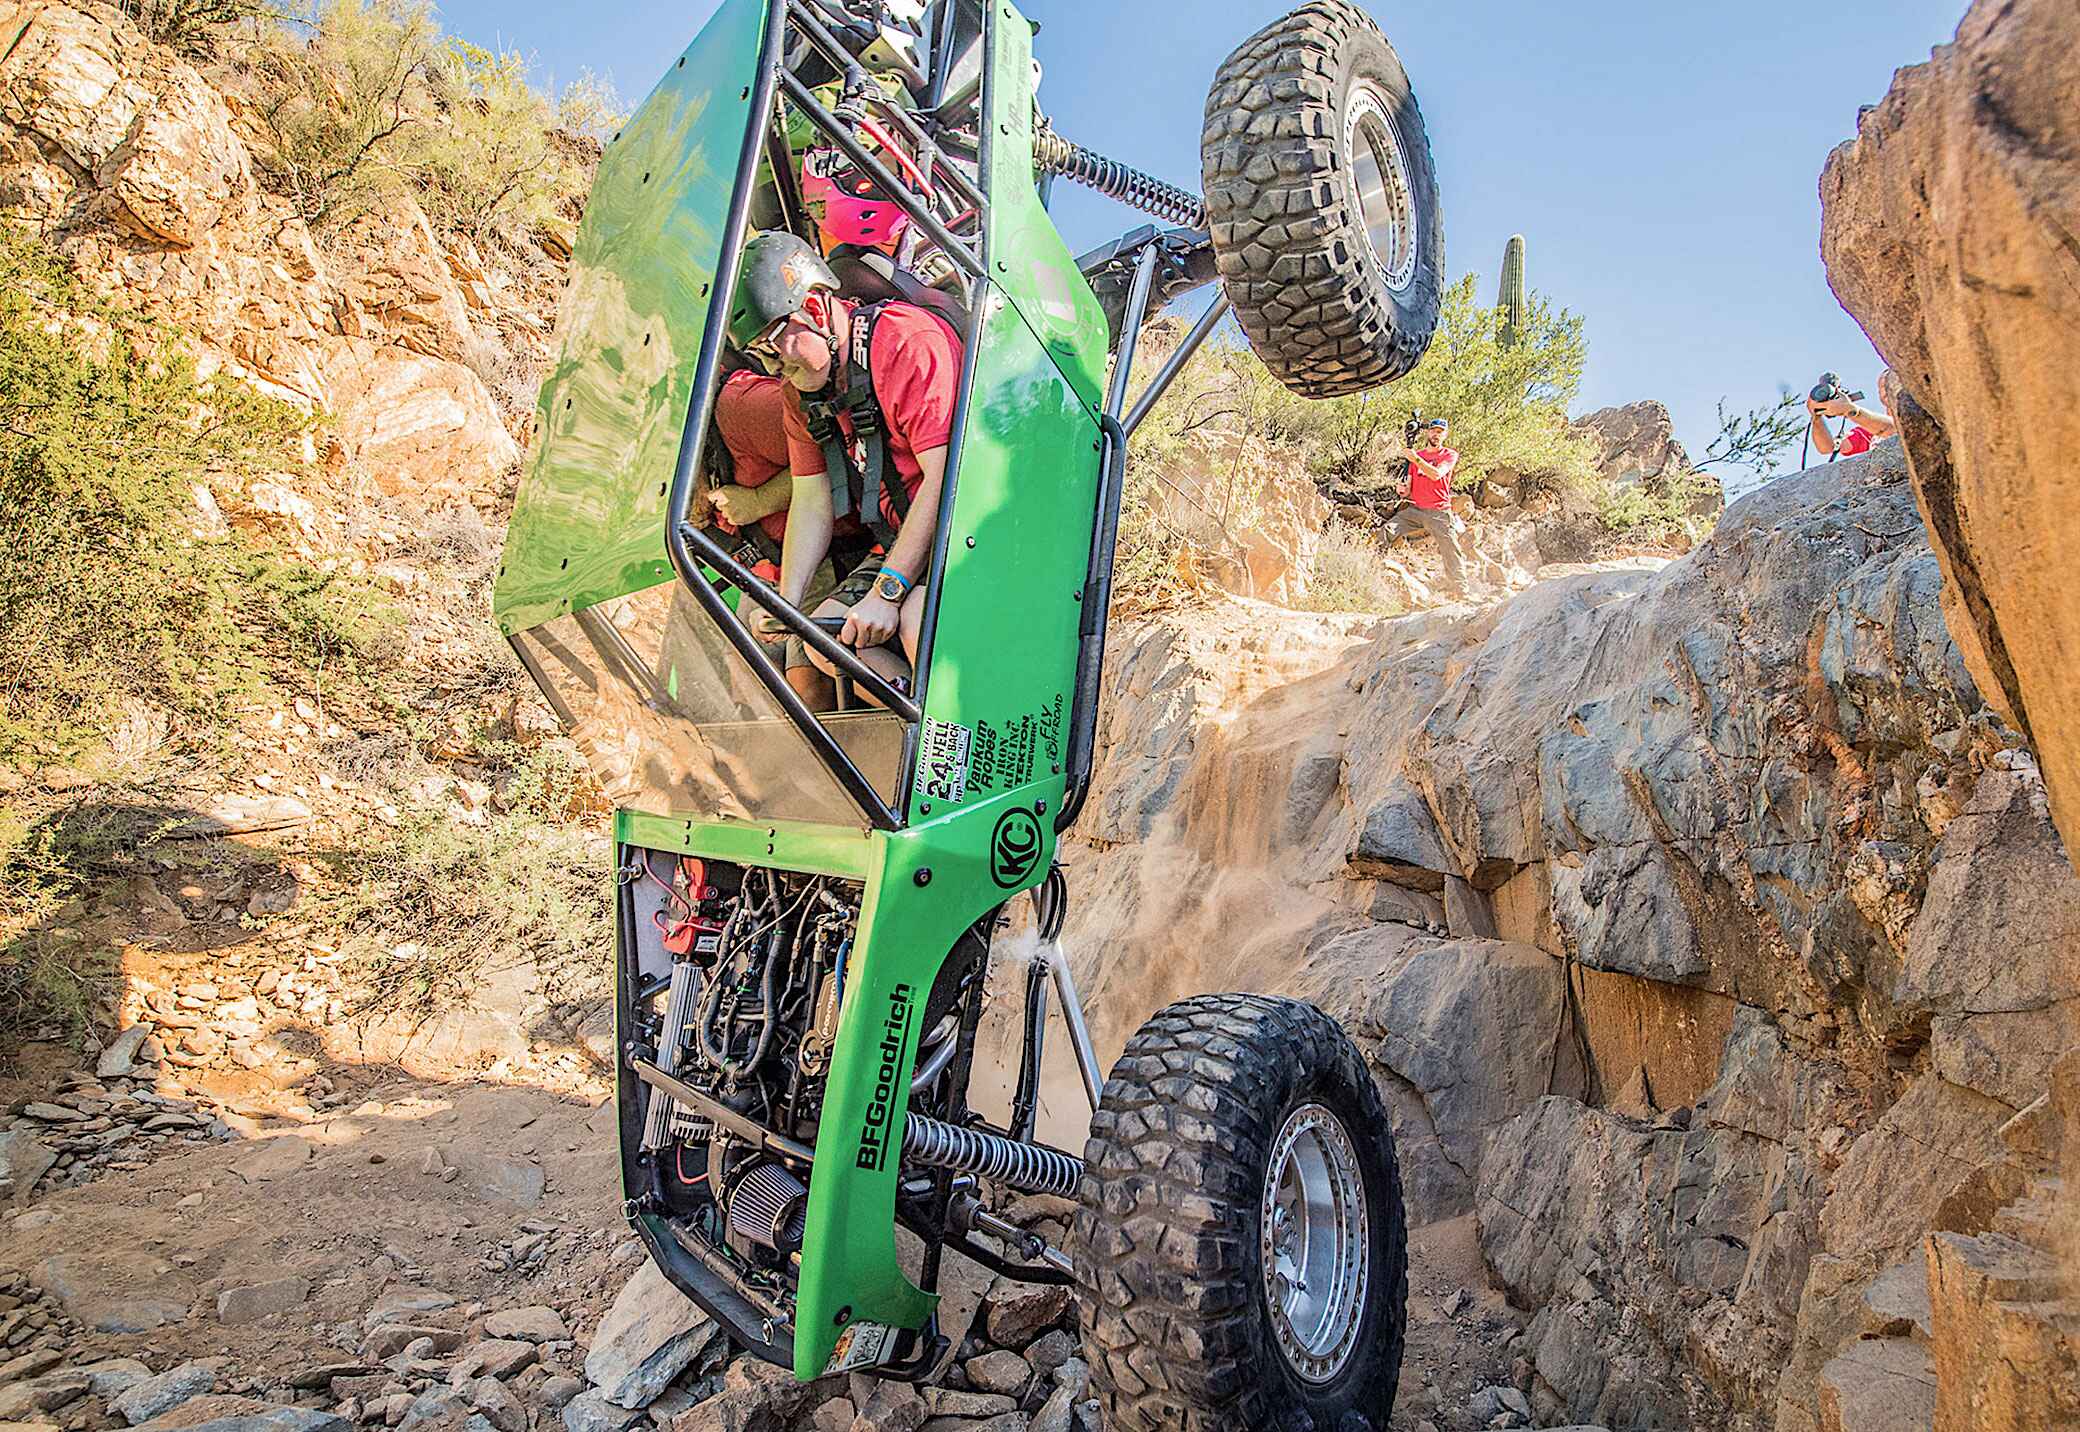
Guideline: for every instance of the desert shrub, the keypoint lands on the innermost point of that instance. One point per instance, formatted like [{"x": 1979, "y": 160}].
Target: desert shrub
[
  {"x": 426, "y": 913},
  {"x": 108, "y": 586},
  {"x": 190, "y": 27},
  {"x": 1659, "y": 512},
  {"x": 1349, "y": 575},
  {"x": 362, "y": 97}
]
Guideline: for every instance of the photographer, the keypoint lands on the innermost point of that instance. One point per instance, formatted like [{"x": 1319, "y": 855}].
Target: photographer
[
  {"x": 1430, "y": 465},
  {"x": 1829, "y": 399}
]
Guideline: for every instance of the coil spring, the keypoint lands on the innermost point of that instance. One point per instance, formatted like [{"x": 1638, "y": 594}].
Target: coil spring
[
  {"x": 937, "y": 1144},
  {"x": 1056, "y": 155}
]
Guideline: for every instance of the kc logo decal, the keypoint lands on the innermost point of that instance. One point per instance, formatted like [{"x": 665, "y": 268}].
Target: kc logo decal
[{"x": 1014, "y": 847}]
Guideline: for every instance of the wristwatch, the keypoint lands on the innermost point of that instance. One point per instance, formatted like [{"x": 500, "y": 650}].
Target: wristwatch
[{"x": 891, "y": 586}]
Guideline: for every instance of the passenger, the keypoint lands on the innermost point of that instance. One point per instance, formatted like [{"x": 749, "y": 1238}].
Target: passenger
[
  {"x": 875, "y": 430},
  {"x": 754, "y": 492}
]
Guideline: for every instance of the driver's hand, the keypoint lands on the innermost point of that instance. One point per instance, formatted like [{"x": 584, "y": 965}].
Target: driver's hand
[
  {"x": 767, "y": 628},
  {"x": 734, "y": 503},
  {"x": 871, "y": 623}
]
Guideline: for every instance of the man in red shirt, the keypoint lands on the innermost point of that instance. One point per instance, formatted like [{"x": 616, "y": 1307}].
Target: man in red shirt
[
  {"x": 790, "y": 319},
  {"x": 1429, "y": 509},
  {"x": 1865, "y": 426}
]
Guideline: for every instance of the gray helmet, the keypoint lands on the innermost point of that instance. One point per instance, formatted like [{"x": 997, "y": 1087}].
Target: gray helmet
[{"x": 776, "y": 274}]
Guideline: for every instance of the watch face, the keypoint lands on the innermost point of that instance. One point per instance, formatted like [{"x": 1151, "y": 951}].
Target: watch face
[{"x": 888, "y": 588}]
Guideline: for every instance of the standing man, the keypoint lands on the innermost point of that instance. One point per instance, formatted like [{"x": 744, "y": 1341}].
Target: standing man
[
  {"x": 869, "y": 413},
  {"x": 1429, "y": 509},
  {"x": 1865, "y": 426}
]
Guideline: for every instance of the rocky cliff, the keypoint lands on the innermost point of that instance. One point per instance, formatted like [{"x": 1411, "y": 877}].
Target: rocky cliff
[
  {"x": 144, "y": 173},
  {"x": 1675, "y": 910}
]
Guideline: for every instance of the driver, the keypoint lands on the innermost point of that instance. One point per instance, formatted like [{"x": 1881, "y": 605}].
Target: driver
[{"x": 869, "y": 410}]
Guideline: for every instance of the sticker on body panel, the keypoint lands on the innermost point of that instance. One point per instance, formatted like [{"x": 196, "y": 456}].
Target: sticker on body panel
[
  {"x": 942, "y": 761},
  {"x": 861, "y": 1345}
]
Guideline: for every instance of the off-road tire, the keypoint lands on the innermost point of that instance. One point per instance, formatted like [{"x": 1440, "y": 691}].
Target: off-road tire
[
  {"x": 1282, "y": 206},
  {"x": 1176, "y": 1321}
]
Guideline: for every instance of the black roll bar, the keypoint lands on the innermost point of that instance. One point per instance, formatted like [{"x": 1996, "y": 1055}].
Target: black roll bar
[
  {"x": 1160, "y": 384},
  {"x": 693, "y": 440}
]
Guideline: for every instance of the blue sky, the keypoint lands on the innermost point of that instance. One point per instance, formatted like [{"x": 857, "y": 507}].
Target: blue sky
[{"x": 1661, "y": 160}]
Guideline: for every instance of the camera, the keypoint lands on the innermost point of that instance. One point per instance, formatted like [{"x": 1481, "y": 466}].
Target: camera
[
  {"x": 1830, "y": 387},
  {"x": 1410, "y": 430}
]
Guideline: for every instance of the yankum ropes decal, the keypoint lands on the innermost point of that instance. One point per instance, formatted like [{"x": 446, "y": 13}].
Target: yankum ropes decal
[{"x": 895, "y": 1037}]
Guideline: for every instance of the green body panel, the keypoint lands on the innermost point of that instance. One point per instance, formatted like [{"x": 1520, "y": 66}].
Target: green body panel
[
  {"x": 589, "y": 523},
  {"x": 1003, "y": 661},
  {"x": 1024, "y": 250}
]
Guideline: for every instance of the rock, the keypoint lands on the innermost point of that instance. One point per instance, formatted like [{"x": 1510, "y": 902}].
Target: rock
[
  {"x": 497, "y": 1405},
  {"x": 1000, "y": 1371},
  {"x": 1050, "y": 1350},
  {"x": 950, "y": 1402},
  {"x": 498, "y": 1176},
  {"x": 592, "y": 1412},
  {"x": 2004, "y": 1322},
  {"x": 535, "y": 1324},
  {"x": 405, "y": 1305},
  {"x": 53, "y": 1113},
  {"x": 255, "y": 1301},
  {"x": 496, "y": 1357},
  {"x": 412, "y": 419},
  {"x": 156, "y": 1396},
  {"x": 24, "y": 1160},
  {"x": 47, "y": 1393},
  {"x": 1878, "y": 1385},
  {"x": 1489, "y": 1402},
  {"x": 1636, "y": 446},
  {"x": 342, "y": 1379},
  {"x": 114, "y": 1376},
  {"x": 390, "y": 1339},
  {"x": 276, "y": 1157},
  {"x": 1974, "y": 321},
  {"x": 437, "y": 1407},
  {"x": 558, "y": 1391},
  {"x": 1019, "y": 1312},
  {"x": 93, "y": 1290},
  {"x": 885, "y": 1406},
  {"x": 1056, "y": 1414},
  {"x": 648, "y": 1337},
  {"x": 29, "y": 1364},
  {"x": 244, "y": 1414},
  {"x": 119, "y": 1056},
  {"x": 243, "y": 815}
]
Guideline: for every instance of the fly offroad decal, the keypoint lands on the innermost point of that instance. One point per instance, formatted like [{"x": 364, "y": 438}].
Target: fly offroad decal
[
  {"x": 943, "y": 750},
  {"x": 875, "y": 1132},
  {"x": 1009, "y": 754},
  {"x": 1014, "y": 847},
  {"x": 861, "y": 1345}
]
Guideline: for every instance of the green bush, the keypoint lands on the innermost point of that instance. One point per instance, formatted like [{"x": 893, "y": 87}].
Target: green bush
[
  {"x": 358, "y": 98},
  {"x": 1350, "y": 575},
  {"x": 107, "y": 588}
]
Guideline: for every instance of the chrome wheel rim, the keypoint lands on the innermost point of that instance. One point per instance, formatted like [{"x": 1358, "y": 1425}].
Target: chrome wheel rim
[
  {"x": 1379, "y": 177},
  {"x": 1316, "y": 1242}
]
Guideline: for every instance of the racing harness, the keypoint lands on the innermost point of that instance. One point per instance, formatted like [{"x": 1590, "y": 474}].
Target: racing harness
[{"x": 866, "y": 480}]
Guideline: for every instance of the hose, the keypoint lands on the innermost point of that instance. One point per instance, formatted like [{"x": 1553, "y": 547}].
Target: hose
[
  {"x": 1026, "y": 1167},
  {"x": 1053, "y": 154}
]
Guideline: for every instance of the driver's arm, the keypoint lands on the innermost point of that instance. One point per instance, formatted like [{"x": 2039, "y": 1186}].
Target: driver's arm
[
  {"x": 809, "y": 524},
  {"x": 746, "y": 505},
  {"x": 912, "y": 552}
]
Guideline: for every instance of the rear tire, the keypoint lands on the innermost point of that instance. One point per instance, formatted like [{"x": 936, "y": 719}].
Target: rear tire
[
  {"x": 1322, "y": 201},
  {"x": 1225, "y": 1107}
]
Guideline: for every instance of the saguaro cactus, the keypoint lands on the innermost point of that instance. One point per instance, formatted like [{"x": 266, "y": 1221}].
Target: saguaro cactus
[{"x": 1509, "y": 296}]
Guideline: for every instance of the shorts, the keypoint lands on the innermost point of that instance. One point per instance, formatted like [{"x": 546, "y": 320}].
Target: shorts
[{"x": 852, "y": 591}]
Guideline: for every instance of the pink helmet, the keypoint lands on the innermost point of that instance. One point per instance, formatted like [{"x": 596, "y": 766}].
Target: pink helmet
[
  {"x": 816, "y": 174},
  {"x": 867, "y": 221}
]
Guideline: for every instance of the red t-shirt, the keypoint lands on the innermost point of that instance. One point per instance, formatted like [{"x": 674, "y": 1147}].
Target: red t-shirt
[
  {"x": 1432, "y": 494},
  {"x": 751, "y": 415},
  {"x": 1856, "y": 440},
  {"x": 917, "y": 378}
]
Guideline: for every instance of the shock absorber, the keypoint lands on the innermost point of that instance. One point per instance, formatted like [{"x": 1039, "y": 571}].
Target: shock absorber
[
  {"x": 1026, "y": 1167},
  {"x": 1053, "y": 154}
]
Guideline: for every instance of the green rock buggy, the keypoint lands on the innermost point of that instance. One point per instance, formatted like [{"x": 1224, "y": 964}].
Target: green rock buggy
[{"x": 806, "y": 900}]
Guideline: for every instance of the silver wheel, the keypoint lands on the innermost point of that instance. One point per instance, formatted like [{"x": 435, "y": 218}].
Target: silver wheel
[
  {"x": 1379, "y": 176},
  {"x": 1316, "y": 1242}
]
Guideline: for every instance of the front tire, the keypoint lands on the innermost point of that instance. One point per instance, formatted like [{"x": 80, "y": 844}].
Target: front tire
[
  {"x": 1321, "y": 198},
  {"x": 1241, "y": 1249}
]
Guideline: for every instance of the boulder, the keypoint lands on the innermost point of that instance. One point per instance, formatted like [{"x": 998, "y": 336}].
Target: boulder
[
  {"x": 535, "y": 1324},
  {"x": 648, "y": 1337},
  {"x": 1947, "y": 232},
  {"x": 419, "y": 424},
  {"x": 24, "y": 1159},
  {"x": 245, "y": 1414},
  {"x": 156, "y": 1396}
]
